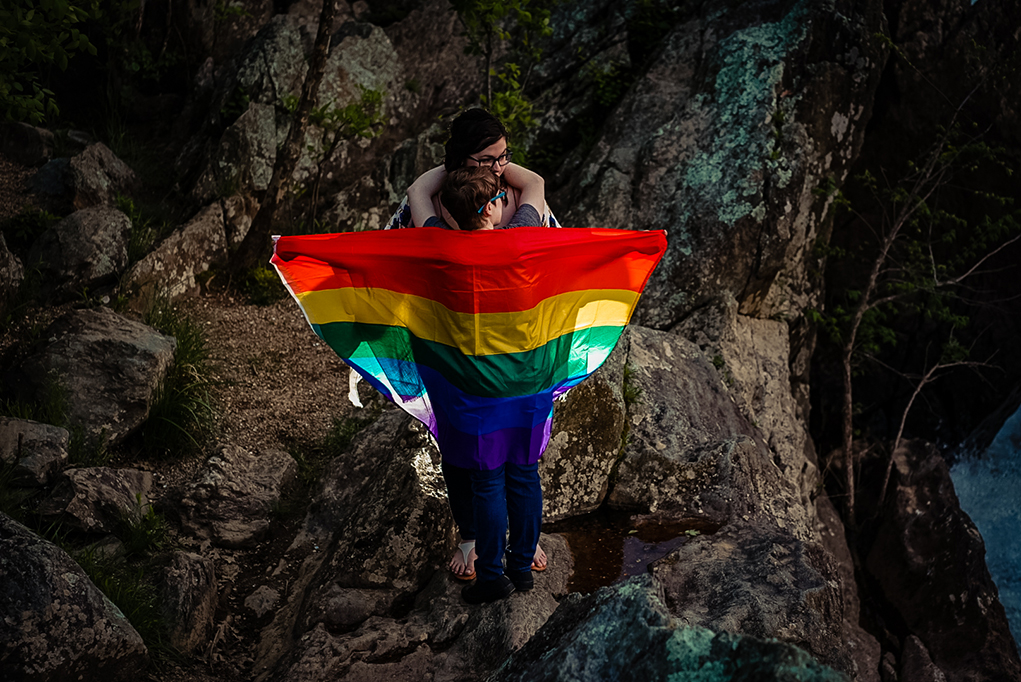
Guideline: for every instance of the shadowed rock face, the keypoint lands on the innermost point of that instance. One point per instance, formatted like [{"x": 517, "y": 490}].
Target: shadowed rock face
[
  {"x": 97, "y": 499},
  {"x": 37, "y": 451},
  {"x": 745, "y": 112},
  {"x": 56, "y": 624},
  {"x": 929, "y": 560},
  {"x": 84, "y": 250}
]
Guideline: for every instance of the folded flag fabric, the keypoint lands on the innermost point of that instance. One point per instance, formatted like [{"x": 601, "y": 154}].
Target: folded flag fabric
[{"x": 475, "y": 334}]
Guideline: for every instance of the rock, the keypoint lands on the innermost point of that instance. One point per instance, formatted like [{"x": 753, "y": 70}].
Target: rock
[
  {"x": 758, "y": 580},
  {"x": 55, "y": 624},
  {"x": 108, "y": 367},
  {"x": 888, "y": 668},
  {"x": 367, "y": 551},
  {"x": 231, "y": 502},
  {"x": 751, "y": 356},
  {"x": 189, "y": 600},
  {"x": 864, "y": 650},
  {"x": 742, "y": 115},
  {"x": 244, "y": 156},
  {"x": 97, "y": 499},
  {"x": 37, "y": 451},
  {"x": 585, "y": 442},
  {"x": 690, "y": 451},
  {"x": 173, "y": 267},
  {"x": 929, "y": 561},
  {"x": 386, "y": 541},
  {"x": 11, "y": 275},
  {"x": 87, "y": 249},
  {"x": 442, "y": 638},
  {"x": 97, "y": 176},
  {"x": 344, "y": 608},
  {"x": 272, "y": 65},
  {"x": 916, "y": 665},
  {"x": 625, "y": 632},
  {"x": 262, "y": 601},
  {"x": 26, "y": 144}
]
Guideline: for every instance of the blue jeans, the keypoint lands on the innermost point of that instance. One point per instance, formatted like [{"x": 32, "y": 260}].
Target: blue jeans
[
  {"x": 459, "y": 496},
  {"x": 514, "y": 491}
]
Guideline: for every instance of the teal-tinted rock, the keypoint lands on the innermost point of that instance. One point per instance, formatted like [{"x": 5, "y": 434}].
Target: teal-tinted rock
[{"x": 625, "y": 632}]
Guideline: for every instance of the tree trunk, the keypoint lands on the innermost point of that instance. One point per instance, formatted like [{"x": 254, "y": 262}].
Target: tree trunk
[
  {"x": 848, "y": 436},
  {"x": 256, "y": 247}
]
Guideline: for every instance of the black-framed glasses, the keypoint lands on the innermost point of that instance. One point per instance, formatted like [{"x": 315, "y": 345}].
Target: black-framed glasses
[
  {"x": 490, "y": 161},
  {"x": 501, "y": 195}
]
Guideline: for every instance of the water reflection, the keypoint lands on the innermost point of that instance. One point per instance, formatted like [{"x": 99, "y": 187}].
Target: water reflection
[{"x": 610, "y": 546}]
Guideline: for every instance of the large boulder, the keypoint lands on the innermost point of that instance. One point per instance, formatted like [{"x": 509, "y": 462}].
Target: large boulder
[
  {"x": 243, "y": 158},
  {"x": 36, "y": 451},
  {"x": 753, "y": 358},
  {"x": 97, "y": 177},
  {"x": 758, "y": 580},
  {"x": 626, "y": 632},
  {"x": 744, "y": 112},
  {"x": 107, "y": 366},
  {"x": 441, "y": 638},
  {"x": 690, "y": 451},
  {"x": 378, "y": 531},
  {"x": 87, "y": 249},
  {"x": 54, "y": 623},
  {"x": 232, "y": 500},
  {"x": 929, "y": 561},
  {"x": 173, "y": 268},
  {"x": 270, "y": 70}
]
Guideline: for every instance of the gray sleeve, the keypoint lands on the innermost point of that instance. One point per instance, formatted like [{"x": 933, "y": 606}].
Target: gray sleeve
[
  {"x": 436, "y": 221},
  {"x": 525, "y": 216}
]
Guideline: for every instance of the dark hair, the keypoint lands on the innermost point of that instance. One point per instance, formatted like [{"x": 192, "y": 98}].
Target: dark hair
[
  {"x": 464, "y": 191},
  {"x": 471, "y": 132}
]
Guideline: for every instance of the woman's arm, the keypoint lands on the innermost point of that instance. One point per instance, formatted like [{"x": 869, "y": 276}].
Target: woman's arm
[
  {"x": 421, "y": 192},
  {"x": 532, "y": 186}
]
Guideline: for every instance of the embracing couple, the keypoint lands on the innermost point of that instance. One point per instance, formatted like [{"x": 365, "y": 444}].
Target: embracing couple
[{"x": 479, "y": 188}]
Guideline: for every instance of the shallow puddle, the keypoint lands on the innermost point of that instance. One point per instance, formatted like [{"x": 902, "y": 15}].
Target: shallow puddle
[{"x": 609, "y": 546}]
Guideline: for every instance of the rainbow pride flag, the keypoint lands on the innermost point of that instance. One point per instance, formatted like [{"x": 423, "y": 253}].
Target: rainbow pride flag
[{"x": 475, "y": 334}]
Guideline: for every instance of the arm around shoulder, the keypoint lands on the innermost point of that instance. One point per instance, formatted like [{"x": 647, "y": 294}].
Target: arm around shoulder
[
  {"x": 421, "y": 192},
  {"x": 531, "y": 185}
]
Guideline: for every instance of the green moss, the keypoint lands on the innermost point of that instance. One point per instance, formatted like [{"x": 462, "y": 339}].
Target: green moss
[{"x": 751, "y": 69}]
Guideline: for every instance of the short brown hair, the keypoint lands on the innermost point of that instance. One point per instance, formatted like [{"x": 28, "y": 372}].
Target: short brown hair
[{"x": 464, "y": 191}]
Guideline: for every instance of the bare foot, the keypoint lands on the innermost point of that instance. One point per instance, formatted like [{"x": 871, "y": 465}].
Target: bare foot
[
  {"x": 464, "y": 566},
  {"x": 539, "y": 560}
]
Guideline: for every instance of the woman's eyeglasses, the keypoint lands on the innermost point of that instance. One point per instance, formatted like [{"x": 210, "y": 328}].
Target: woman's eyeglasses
[
  {"x": 501, "y": 195},
  {"x": 490, "y": 161}
]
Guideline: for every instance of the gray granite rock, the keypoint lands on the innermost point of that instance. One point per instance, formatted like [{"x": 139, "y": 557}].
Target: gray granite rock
[
  {"x": 54, "y": 623},
  {"x": 189, "y": 600},
  {"x": 98, "y": 499},
  {"x": 232, "y": 500},
  {"x": 107, "y": 366},
  {"x": 37, "y": 451}
]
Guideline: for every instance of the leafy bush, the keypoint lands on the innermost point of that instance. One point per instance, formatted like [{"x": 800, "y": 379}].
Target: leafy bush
[{"x": 34, "y": 37}]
